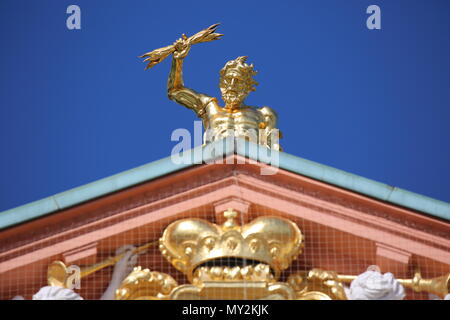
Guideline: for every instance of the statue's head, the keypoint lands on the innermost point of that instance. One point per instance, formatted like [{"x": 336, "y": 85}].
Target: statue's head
[{"x": 236, "y": 81}]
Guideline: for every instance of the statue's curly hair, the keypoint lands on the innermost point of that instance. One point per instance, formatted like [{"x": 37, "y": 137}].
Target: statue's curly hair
[{"x": 247, "y": 71}]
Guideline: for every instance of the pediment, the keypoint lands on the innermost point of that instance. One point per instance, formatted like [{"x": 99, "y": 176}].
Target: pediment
[{"x": 344, "y": 231}]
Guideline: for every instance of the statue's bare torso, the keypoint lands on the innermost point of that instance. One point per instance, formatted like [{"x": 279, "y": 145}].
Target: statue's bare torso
[{"x": 243, "y": 122}]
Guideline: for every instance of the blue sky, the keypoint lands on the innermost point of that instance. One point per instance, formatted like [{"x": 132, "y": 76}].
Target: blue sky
[{"x": 77, "y": 106}]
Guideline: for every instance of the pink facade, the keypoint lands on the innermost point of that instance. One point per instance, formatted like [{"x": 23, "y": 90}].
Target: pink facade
[{"x": 344, "y": 231}]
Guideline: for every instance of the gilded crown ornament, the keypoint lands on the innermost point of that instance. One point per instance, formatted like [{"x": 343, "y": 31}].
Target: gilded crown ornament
[{"x": 192, "y": 243}]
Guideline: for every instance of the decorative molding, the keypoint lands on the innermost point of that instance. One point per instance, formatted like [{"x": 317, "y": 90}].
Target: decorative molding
[
  {"x": 238, "y": 204},
  {"x": 82, "y": 255},
  {"x": 394, "y": 260}
]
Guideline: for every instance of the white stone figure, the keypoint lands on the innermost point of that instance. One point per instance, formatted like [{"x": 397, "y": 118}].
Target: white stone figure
[
  {"x": 56, "y": 293},
  {"x": 435, "y": 297},
  {"x": 53, "y": 293},
  {"x": 121, "y": 270},
  {"x": 372, "y": 285}
]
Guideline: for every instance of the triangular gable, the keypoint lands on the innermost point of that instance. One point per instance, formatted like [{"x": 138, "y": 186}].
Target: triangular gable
[{"x": 344, "y": 230}]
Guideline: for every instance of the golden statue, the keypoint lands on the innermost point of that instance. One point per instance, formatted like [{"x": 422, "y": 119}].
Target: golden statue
[{"x": 236, "y": 82}]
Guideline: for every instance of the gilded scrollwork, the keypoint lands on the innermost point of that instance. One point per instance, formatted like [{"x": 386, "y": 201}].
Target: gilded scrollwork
[{"x": 143, "y": 284}]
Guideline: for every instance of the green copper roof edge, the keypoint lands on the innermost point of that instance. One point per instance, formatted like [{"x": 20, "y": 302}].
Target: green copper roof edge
[
  {"x": 104, "y": 186},
  {"x": 194, "y": 156},
  {"x": 349, "y": 181}
]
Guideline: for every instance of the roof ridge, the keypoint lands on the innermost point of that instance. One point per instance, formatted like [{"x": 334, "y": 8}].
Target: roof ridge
[{"x": 155, "y": 169}]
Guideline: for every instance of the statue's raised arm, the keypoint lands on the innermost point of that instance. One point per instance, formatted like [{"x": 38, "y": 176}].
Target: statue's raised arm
[{"x": 175, "y": 86}]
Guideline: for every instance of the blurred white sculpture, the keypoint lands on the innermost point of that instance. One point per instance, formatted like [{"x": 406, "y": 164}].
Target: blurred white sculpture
[
  {"x": 372, "y": 285},
  {"x": 435, "y": 297},
  {"x": 121, "y": 270},
  {"x": 56, "y": 293}
]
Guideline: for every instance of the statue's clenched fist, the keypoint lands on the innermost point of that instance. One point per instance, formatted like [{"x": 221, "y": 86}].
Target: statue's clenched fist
[{"x": 182, "y": 47}]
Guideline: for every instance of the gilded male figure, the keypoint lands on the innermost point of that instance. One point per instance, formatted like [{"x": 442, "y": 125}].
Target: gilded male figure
[{"x": 236, "y": 82}]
